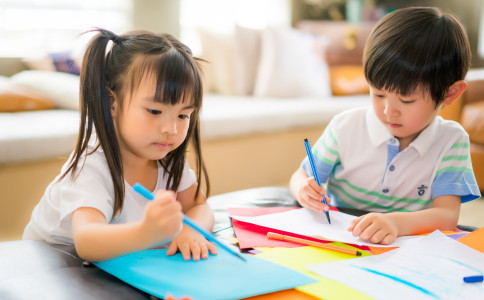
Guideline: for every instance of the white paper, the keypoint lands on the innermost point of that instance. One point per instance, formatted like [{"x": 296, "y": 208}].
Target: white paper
[
  {"x": 434, "y": 268},
  {"x": 312, "y": 223}
]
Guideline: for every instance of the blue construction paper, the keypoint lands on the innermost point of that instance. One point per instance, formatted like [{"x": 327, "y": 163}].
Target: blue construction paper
[{"x": 221, "y": 276}]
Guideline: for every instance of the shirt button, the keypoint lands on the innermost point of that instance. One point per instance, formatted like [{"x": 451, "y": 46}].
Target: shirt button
[
  {"x": 393, "y": 141},
  {"x": 392, "y": 167},
  {"x": 385, "y": 190}
]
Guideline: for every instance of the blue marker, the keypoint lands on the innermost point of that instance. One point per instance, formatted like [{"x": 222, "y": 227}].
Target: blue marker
[
  {"x": 315, "y": 174},
  {"x": 208, "y": 235},
  {"x": 476, "y": 278}
]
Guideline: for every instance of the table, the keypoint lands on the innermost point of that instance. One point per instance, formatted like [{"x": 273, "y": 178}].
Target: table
[{"x": 36, "y": 270}]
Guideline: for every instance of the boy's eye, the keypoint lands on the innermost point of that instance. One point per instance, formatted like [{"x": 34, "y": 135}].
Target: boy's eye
[
  {"x": 407, "y": 101},
  {"x": 154, "y": 111}
]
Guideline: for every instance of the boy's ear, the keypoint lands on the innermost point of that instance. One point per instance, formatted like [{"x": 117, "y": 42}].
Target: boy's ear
[{"x": 454, "y": 92}]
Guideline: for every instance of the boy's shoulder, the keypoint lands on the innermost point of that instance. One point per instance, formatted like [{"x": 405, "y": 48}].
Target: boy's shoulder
[
  {"x": 351, "y": 116},
  {"x": 450, "y": 128}
]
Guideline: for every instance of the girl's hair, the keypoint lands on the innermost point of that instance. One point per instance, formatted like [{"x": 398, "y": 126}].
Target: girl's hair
[
  {"x": 119, "y": 70},
  {"x": 417, "y": 46}
]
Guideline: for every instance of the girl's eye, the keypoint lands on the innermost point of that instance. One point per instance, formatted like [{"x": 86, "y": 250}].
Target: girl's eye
[
  {"x": 154, "y": 111},
  {"x": 183, "y": 117}
]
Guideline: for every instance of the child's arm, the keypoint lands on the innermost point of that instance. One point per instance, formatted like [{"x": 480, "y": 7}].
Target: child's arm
[
  {"x": 95, "y": 240},
  {"x": 381, "y": 228},
  {"x": 188, "y": 241},
  {"x": 307, "y": 191}
]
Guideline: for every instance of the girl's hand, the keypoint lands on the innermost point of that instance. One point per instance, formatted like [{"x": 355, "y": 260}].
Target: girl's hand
[
  {"x": 163, "y": 217},
  {"x": 375, "y": 227},
  {"x": 310, "y": 195},
  {"x": 191, "y": 243}
]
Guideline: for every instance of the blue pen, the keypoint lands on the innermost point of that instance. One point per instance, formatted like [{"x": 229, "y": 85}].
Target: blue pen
[
  {"x": 315, "y": 174},
  {"x": 208, "y": 235}
]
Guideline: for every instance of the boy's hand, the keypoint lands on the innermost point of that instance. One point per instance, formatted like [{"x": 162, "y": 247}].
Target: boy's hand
[
  {"x": 191, "y": 244},
  {"x": 375, "y": 227},
  {"x": 163, "y": 217},
  {"x": 310, "y": 195}
]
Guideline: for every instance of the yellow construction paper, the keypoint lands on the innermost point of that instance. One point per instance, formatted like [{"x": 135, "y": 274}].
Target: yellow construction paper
[{"x": 299, "y": 257}]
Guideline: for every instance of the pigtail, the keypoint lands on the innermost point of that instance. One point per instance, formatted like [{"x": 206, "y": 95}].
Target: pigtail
[{"x": 95, "y": 110}]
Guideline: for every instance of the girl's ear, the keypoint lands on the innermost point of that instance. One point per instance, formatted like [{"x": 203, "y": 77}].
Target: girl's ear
[
  {"x": 454, "y": 92},
  {"x": 113, "y": 103}
]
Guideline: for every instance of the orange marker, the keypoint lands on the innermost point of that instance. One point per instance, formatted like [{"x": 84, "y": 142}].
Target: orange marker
[{"x": 276, "y": 236}]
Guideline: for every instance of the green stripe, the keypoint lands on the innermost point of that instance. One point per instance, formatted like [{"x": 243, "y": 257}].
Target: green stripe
[
  {"x": 453, "y": 170},
  {"x": 383, "y": 197},
  {"x": 460, "y": 145},
  {"x": 367, "y": 203},
  {"x": 332, "y": 151},
  {"x": 324, "y": 159},
  {"x": 331, "y": 135},
  {"x": 456, "y": 157}
]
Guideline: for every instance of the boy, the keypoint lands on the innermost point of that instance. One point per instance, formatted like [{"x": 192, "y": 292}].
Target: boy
[{"x": 399, "y": 159}]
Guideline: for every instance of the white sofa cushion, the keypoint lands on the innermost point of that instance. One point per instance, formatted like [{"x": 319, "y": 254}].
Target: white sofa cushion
[
  {"x": 228, "y": 116},
  {"x": 28, "y": 136}
]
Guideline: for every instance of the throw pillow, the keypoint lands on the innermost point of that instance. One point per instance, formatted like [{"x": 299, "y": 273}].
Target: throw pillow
[
  {"x": 61, "y": 88},
  {"x": 218, "y": 51},
  {"x": 289, "y": 65},
  {"x": 247, "y": 54},
  {"x": 14, "y": 99},
  {"x": 348, "y": 80}
]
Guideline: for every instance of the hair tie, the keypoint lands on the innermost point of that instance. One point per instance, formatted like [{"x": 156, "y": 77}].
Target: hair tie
[{"x": 115, "y": 38}]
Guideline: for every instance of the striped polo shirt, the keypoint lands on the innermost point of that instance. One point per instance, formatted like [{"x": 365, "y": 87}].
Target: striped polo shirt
[{"x": 360, "y": 161}]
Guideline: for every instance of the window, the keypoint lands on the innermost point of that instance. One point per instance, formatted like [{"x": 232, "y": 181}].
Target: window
[
  {"x": 223, "y": 15},
  {"x": 55, "y": 25}
]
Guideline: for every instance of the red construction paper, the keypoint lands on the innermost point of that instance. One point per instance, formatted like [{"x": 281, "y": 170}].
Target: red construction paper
[{"x": 251, "y": 235}]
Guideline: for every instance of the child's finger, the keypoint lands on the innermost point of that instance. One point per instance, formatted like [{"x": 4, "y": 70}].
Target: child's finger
[
  {"x": 212, "y": 248},
  {"x": 354, "y": 222},
  {"x": 203, "y": 250},
  {"x": 185, "y": 251},
  {"x": 195, "y": 250},
  {"x": 172, "y": 249}
]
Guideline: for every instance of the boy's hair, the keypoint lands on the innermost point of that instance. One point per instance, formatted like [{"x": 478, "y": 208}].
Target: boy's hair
[
  {"x": 119, "y": 71},
  {"x": 417, "y": 47}
]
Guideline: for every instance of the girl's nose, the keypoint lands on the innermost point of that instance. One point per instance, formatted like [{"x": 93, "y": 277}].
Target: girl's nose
[{"x": 168, "y": 126}]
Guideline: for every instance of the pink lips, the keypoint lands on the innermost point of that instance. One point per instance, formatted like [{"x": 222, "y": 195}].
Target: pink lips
[{"x": 162, "y": 145}]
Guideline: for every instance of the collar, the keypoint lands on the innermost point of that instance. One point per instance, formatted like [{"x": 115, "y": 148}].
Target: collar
[
  {"x": 379, "y": 134},
  {"x": 376, "y": 130},
  {"x": 426, "y": 138}
]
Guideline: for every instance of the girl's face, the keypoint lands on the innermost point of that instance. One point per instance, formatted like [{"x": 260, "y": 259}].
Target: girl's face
[
  {"x": 148, "y": 129},
  {"x": 404, "y": 116}
]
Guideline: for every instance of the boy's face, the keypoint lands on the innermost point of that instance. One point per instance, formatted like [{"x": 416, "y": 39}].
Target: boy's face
[{"x": 404, "y": 116}]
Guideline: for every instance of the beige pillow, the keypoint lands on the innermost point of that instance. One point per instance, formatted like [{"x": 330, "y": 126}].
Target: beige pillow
[
  {"x": 218, "y": 50},
  {"x": 289, "y": 65},
  {"x": 247, "y": 54}
]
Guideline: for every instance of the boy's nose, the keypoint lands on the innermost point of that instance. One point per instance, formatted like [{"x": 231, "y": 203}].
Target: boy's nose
[{"x": 390, "y": 109}]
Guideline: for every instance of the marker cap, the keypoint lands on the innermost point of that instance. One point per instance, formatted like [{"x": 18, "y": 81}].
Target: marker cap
[{"x": 476, "y": 278}]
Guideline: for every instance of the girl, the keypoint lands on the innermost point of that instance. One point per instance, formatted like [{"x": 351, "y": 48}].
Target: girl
[{"x": 142, "y": 97}]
